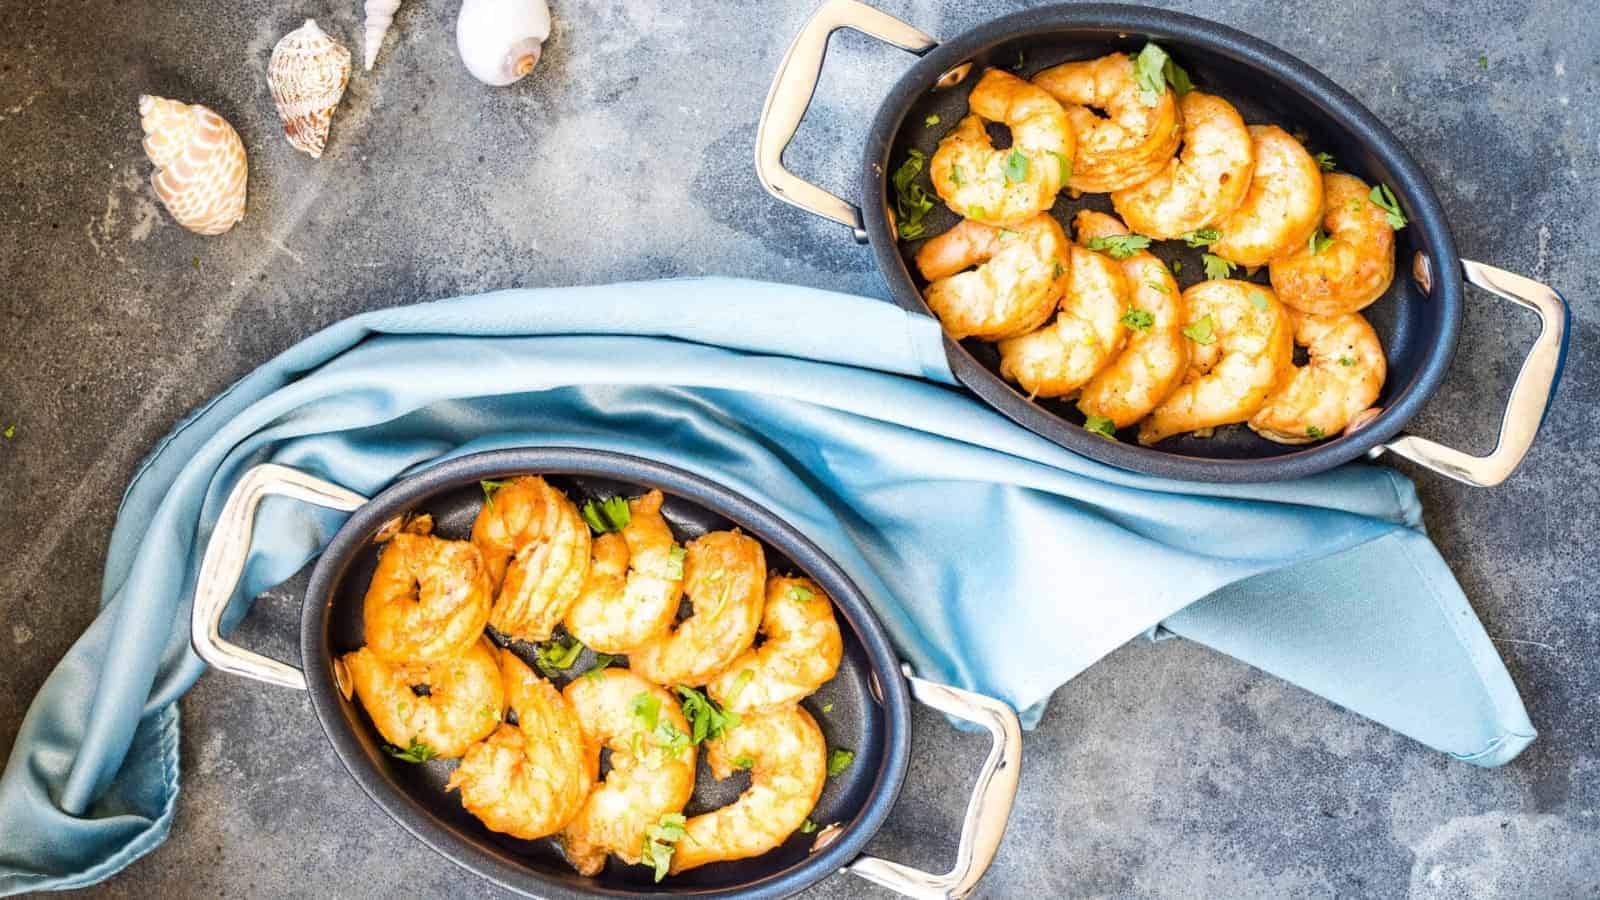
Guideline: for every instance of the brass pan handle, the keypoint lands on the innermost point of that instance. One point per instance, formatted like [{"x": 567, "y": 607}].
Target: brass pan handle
[
  {"x": 790, "y": 96},
  {"x": 1530, "y": 394}
]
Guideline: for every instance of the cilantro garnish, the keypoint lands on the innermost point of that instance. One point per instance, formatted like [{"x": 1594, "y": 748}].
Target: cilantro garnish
[
  {"x": 1216, "y": 266},
  {"x": 660, "y": 840},
  {"x": 489, "y": 488},
  {"x": 800, "y": 593},
  {"x": 706, "y": 718},
  {"x": 1200, "y": 237},
  {"x": 1098, "y": 425},
  {"x": 1138, "y": 319},
  {"x": 1119, "y": 246},
  {"x": 1016, "y": 167},
  {"x": 1325, "y": 161},
  {"x": 1201, "y": 330},
  {"x": 912, "y": 202},
  {"x": 1315, "y": 433},
  {"x": 1385, "y": 200},
  {"x": 1158, "y": 287},
  {"x": 1149, "y": 71},
  {"x": 675, "y": 561},
  {"x": 744, "y": 761},
  {"x": 839, "y": 760},
  {"x": 1259, "y": 300},
  {"x": 557, "y": 655},
  {"x": 808, "y": 826},
  {"x": 602, "y": 661},
  {"x": 956, "y": 178},
  {"x": 931, "y": 121},
  {"x": 416, "y": 752},
  {"x": 1346, "y": 361},
  {"x": 1319, "y": 241},
  {"x": 1064, "y": 164},
  {"x": 610, "y": 514}
]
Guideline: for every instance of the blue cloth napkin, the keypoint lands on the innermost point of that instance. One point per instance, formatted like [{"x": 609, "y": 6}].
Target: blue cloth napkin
[{"x": 998, "y": 561}]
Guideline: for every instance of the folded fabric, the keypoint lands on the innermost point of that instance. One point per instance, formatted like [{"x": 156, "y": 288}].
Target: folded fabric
[{"x": 998, "y": 561}]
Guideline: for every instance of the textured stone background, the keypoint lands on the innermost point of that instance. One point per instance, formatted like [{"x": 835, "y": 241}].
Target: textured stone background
[{"x": 1164, "y": 771}]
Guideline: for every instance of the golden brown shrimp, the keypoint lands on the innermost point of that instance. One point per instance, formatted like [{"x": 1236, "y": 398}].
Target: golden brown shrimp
[
  {"x": 1341, "y": 378},
  {"x": 1020, "y": 275},
  {"x": 1354, "y": 268},
  {"x": 724, "y": 575},
  {"x": 463, "y": 702},
  {"x": 634, "y": 582},
  {"x": 537, "y": 548},
  {"x": 1281, "y": 209},
  {"x": 1204, "y": 184},
  {"x": 1086, "y": 334},
  {"x": 1157, "y": 355},
  {"x": 652, "y": 765},
  {"x": 529, "y": 780},
  {"x": 428, "y": 599},
  {"x": 1242, "y": 343},
  {"x": 801, "y": 652},
  {"x": 1004, "y": 187},
  {"x": 788, "y": 761},
  {"x": 1132, "y": 142}
]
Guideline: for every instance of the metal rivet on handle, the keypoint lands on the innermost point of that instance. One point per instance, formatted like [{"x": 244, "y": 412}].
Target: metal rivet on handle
[
  {"x": 953, "y": 77},
  {"x": 1422, "y": 271}
]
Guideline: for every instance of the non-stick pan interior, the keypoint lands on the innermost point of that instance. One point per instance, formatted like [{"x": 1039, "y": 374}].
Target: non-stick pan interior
[
  {"x": 1409, "y": 321},
  {"x": 848, "y": 709}
]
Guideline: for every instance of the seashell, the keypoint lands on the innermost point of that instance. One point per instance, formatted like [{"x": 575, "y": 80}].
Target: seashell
[
  {"x": 379, "y": 14},
  {"x": 500, "y": 40},
  {"x": 200, "y": 163},
  {"x": 307, "y": 76}
]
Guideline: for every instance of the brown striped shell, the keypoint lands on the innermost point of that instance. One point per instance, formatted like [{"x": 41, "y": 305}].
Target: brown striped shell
[
  {"x": 200, "y": 163},
  {"x": 307, "y": 77}
]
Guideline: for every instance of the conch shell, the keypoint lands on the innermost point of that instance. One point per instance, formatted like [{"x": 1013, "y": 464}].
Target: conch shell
[
  {"x": 379, "y": 14},
  {"x": 307, "y": 76},
  {"x": 200, "y": 163},
  {"x": 500, "y": 40}
]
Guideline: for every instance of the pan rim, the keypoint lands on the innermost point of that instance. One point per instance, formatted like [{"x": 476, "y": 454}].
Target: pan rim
[
  {"x": 417, "y": 485},
  {"x": 1286, "y": 71}
]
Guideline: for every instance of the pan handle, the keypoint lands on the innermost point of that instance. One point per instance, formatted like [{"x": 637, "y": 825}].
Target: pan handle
[
  {"x": 790, "y": 95},
  {"x": 1530, "y": 394},
  {"x": 987, "y": 812},
  {"x": 223, "y": 565}
]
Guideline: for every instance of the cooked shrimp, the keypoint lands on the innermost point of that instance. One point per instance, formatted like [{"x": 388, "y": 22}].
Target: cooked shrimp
[
  {"x": 801, "y": 651},
  {"x": 537, "y": 548},
  {"x": 1356, "y": 265},
  {"x": 788, "y": 761},
  {"x": 1241, "y": 344},
  {"x": 529, "y": 780},
  {"x": 1156, "y": 356},
  {"x": 724, "y": 575},
  {"x": 463, "y": 700},
  {"x": 428, "y": 599},
  {"x": 1132, "y": 142},
  {"x": 1020, "y": 275},
  {"x": 634, "y": 582},
  {"x": 1004, "y": 187},
  {"x": 1087, "y": 332},
  {"x": 1282, "y": 207},
  {"x": 652, "y": 770},
  {"x": 1204, "y": 184},
  {"x": 1342, "y": 377}
]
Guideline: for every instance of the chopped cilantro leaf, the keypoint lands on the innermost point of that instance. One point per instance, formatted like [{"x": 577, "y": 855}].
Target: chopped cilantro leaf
[
  {"x": 931, "y": 121},
  {"x": 416, "y": 752},
  {"x": 1259, "y": 300},
  {"x": 1201, "y": 237},
  {"x": 1385, "y": 200},
  {"x": 1315, "y": 433},
  {"x": 1158, "y": 287},
  {"x": 800, "y": 593},
  {"x": 808, "y": 827},
  {"x": 1319, "y": 241},
  {"x": 912, "y": 201},
  {"x": 675, "y": 558},
  {"x": 706, "y": 718},
  {"x": 1119, "y": 246},
  {"x": 1346, "y": 361},
  {"x": 956, "y": 178},
  {"x": 1325, "y": 161},
  {"x": 1216, "y": 266},
  {"x": 1016, "y": 167},
  {"x": 839, "y": 760},
  {"x": 1064, "y": 164},
  {"x": 1149, "y": 72},
  {"x": 1102, "y": 426},
  {"x": 489, "y": 488},
  {"x": 557, "y": 655},
  {"x": 659, "y": 842},
  {"x": 610, "y": 514},
  {"x": 1201, "y": 330},
  {"x": 744, "y": 761},
  {"x": 602, "y": 661},
  {"x": 1138, "y": 319}
]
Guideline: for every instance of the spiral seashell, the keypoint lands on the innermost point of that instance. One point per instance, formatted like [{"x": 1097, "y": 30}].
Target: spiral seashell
[
  {"x": 307, "y": 76},
  {"x": 379, "y": 14},
  {"x": 200, "y": 163},
  {"x": 500, "y": 40}
]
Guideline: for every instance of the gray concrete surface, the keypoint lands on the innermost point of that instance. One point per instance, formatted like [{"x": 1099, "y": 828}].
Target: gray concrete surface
[{"x": 1164, "y": 771}]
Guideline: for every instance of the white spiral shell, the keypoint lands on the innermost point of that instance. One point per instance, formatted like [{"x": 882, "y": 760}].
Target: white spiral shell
[
  {"x": 200, "y": 163},
  {"x": 307, "y": 77},
  {"x": 379, "y": 14},
  {"x": 500, "y": 40}
]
